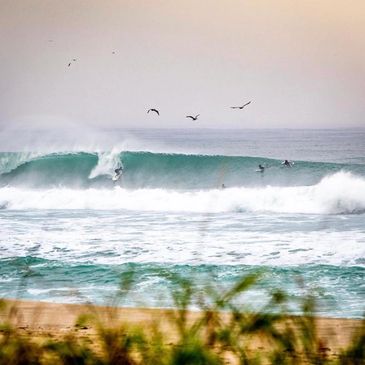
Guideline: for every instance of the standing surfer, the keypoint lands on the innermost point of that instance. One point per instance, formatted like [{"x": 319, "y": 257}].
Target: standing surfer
[{"x": 118, "y": 172}]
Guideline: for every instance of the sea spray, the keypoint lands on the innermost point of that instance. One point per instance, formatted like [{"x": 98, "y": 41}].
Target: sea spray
[{"x": 107, "y": 163}]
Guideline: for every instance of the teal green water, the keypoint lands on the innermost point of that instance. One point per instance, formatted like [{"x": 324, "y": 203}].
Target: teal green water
[
  {"x": 159, "y": 170},
  {"x": 68, "y": 231}
]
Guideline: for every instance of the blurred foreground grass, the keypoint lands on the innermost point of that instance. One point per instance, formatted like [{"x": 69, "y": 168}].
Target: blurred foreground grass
[{"x": 222, "y": 332}]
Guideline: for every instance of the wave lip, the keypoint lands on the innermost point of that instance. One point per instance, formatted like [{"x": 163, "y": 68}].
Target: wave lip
[{"x": 340, "y": 193}]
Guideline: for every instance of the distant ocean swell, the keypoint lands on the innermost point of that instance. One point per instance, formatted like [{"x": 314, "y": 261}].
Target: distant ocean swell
[{"x": 178, "y": 183}]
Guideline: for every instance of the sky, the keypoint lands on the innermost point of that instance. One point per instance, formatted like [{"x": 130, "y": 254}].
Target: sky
[{"x": 301, "y": 63}]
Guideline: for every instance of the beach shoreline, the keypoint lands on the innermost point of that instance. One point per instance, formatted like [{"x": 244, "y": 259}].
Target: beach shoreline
[{"x": 37, "y": 320}]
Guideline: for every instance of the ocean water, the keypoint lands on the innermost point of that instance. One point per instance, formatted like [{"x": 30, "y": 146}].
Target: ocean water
[{"x": 67, "y": 231}]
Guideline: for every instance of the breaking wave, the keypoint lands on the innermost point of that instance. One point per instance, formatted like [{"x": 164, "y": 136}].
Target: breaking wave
[
  {"x": 340, "y": 193},
  {"x": 84, "y": 170}
]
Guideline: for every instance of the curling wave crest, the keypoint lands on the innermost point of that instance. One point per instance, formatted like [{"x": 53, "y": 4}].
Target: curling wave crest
[{"x": 340, "y": 193}]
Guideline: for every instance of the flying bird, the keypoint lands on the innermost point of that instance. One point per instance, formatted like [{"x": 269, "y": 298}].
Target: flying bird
[
  {"x": 153, "y": 110},
  {"x": 70, "y": 63},
  {"x": 240, "y": 107},
  {"x": 193, "y": 118}
]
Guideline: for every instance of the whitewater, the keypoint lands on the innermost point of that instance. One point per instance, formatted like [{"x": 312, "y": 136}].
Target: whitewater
[
  {"x": 341, "y": 193},
  {"x": 188, "y": 201}
]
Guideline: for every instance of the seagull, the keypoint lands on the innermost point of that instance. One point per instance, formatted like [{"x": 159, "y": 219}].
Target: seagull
[
  {"x": 153, "y": 110},
  {"x": 193, "y": 118},
  {"x": 240, "y": 107},
  {"x": 73, "y": 60}
]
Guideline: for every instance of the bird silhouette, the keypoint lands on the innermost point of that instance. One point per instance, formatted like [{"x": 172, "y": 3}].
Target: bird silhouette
[
  {"x": 70, "y": 63},
  {"x": 193, "y": 118},
  {"x": 240, "y": 107},
  {"x": 153, "y": 110}
]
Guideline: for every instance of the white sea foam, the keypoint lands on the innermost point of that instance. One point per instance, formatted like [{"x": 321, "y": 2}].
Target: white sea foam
[
  {"x": 107, "y": 163},
  {"x": 116, "y": 237},
  {"x": 341, "y": 193}
]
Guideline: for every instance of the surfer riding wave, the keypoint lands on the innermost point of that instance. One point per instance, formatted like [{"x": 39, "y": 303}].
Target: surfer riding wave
[{"x": 118, "y": 173}]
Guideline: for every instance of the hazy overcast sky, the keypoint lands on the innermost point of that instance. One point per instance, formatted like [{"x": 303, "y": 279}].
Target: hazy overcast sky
[{"x": 302, "y": 63}]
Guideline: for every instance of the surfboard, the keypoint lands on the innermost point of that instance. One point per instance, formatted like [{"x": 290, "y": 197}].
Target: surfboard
[
  {"x": 116, "y": 177},
  {"x": 291, "y": 164}
]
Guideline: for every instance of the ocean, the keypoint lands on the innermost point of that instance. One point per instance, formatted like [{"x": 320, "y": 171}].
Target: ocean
[{"x": 67, "y": 231}]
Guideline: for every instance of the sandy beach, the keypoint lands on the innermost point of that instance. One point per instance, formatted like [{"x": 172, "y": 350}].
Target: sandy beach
[{"x": 40, "y": 319}]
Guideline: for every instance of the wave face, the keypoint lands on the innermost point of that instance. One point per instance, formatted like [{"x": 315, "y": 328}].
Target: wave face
[
  {"x": 341, "y": 193},
  {"x": 157, "y": 170}
]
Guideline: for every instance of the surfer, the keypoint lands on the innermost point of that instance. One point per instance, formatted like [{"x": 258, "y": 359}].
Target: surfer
[
  {"x": 287, "y": 163},
  {"x": 118, "y": 173},
  {"x": 261, "y": 168},
  {"x": 119, "y": 170}
]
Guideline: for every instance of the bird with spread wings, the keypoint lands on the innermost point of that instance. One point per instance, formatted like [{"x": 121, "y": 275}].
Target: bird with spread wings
[
  {"x": 240, "y": 107},
  {"x": 153, "y": 110},
  {"x": 192, "y": 117}
]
